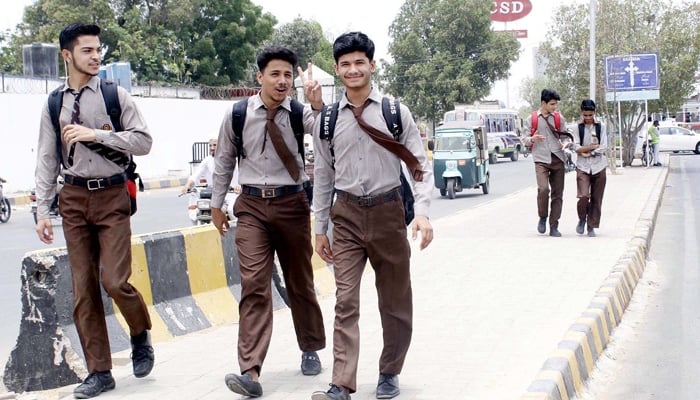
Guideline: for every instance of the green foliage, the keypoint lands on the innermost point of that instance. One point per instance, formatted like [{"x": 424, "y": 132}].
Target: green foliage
[
  {"x": 208, "y": 42},
  {"x": 445, "y": 52},
  {"x": 624, "y": 27}
]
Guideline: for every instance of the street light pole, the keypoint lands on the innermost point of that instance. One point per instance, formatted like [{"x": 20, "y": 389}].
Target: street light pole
[{"x": 591, "y": 49}]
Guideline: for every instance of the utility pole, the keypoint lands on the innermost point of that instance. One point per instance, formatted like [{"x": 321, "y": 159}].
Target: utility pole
[{"x": 591, "y": 50}]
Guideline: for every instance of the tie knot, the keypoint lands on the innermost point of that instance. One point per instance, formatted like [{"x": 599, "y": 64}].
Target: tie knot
[
  {"x": 357, "y": 111},
  {"x": 271, "y": 112}
]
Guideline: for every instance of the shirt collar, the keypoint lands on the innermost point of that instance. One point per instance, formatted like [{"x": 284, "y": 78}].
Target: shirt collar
[
  {"x": 258, "y": 103},
  {"x": 93, "y": 84},
  {"x": 373, "y": 95}
]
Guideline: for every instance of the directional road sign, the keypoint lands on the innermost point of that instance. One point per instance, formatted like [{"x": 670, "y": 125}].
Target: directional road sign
[{"x": 632, "y": 72}]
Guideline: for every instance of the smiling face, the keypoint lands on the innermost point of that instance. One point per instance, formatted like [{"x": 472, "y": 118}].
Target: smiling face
[
  {"x": 276, "y": 81},
  {"x": 84, "y": 59},
  {"x": 355, "y": 70}
]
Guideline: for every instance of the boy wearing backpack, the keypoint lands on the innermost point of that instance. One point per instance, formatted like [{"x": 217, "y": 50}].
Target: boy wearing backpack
[
  {"x": 549, "y": 157},
  {"x": 368, "y": 216},
  {"x": 94, "y": 149},
  {"x": 590, "y": 143},
  {"x": 273, "y": 213}
]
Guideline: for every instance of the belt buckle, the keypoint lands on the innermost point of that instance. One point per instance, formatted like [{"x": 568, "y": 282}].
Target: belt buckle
[
  {"x": 95, "y": 184},
  {"x": 364, "y": 201},
  {"x": 267, "y": 193}
]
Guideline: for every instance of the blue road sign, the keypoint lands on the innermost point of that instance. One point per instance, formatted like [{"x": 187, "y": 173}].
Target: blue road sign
[{"x": 632, "y": 72}]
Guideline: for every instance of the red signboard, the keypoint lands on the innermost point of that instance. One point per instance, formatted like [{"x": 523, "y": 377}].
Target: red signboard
[{"x": 510, "y": 10}]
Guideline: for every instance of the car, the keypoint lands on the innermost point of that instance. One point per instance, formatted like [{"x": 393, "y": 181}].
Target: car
[{"x": 672, "y": 138}]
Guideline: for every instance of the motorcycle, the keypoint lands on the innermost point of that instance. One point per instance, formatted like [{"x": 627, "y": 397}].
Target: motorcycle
[
  {"x": 53, "y": 209},
  {"x": 199, "y": 209},
  {"x": 5, "y": 208}
]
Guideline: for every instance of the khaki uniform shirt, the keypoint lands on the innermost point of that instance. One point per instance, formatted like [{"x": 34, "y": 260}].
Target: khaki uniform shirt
[
  {"x": 363, "y": 167},
  {"x": 262, "y": 167},
  {"x": 542, "y": 152},
  {"x": 135, "y": 139}
]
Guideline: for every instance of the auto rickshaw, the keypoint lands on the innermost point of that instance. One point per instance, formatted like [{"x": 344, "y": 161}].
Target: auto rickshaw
[{"x": 460, "y": 158}]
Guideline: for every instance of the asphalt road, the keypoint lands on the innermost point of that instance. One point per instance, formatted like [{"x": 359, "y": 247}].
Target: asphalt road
[
  {"x": 161, "y": 210},
  {"x": 654, "y": 352}
]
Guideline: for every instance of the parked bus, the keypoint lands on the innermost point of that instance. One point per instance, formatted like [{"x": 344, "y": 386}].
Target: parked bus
[{"x": 502, "y": 125}]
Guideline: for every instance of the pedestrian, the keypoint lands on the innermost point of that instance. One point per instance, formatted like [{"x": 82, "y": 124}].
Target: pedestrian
[
  {"x": 548, "y": 154},
  {"x": 590, "y": 144},
  {"x": 368, "y": 218},
  {"x": 94, "y": 204},
  {"x": 654, "y": 141},
  {"x": 273, "y": 217}
]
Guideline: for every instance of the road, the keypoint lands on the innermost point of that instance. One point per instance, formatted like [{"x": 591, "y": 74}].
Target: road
[
  {"x": 161, "y": 210},
  {"x": 654, "y": 352}
]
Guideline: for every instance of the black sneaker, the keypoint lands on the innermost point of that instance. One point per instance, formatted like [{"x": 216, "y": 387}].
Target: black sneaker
[
  {"x": 94, "y": 384},
  {"x": 243, "y": 384},
  {"x": 542, "y": 225},
  {"x": 310, "y": 363},
  {"x": 554, "y": 232},
  {"x": 388, "y": 386},
  {"x": 334, "y": 393},
  {"x": 591, "y": 232},
  {"x": 142, "y": 356},
  {"x": 580, "y": 226}
]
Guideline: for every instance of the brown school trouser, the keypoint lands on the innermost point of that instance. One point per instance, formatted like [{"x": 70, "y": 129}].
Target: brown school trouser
[
  {"x": 96, "y": 225},
  {"x": 590, "y": 190},
  {"x": 550, "y": 176},
  {"x": 266, "y": 226},
  {"x": 377, "y": 233}
]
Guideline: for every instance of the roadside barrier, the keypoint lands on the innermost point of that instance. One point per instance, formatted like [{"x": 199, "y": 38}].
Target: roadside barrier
[{"x": 189, "y": 279}]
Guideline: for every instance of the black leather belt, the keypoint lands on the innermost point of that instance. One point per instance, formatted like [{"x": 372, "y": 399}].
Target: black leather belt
[
  {"x": 369, "y": 201},
  {"x": 95, "y": 183},
  {"x": 269, "y": 193}
]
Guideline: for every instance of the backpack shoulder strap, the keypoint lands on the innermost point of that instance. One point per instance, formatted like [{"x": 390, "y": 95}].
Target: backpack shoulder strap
[
  {"x": 55, "y": 104},
  {"x": 296, "y": 118},
  {"x": 111, "y": 98},
  {"x": 392, "y": 116},
  {"x": 534, "y": 119},
  {"x": 329, "y": 114},
  {"x": 598, "y": 128},
  {"x": 581, "y": 133},
  {"x": 557, "y": 120},
  {"x": 237, "y": 120}
]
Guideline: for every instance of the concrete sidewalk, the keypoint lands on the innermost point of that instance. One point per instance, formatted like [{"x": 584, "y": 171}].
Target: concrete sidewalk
[{"x": 492, "y": 298}]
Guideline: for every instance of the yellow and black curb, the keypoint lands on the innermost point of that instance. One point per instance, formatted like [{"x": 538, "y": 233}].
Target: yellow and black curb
[
  {"x": 568, "y": 367},
  {"x": 189, "y": 279}
]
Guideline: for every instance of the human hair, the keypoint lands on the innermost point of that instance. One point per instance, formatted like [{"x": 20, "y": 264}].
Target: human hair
[
  {"x": 276, "y": 53},
  {"x": 656, "y": 122},
  {"x": 588, "y": 105},
  {"x": 353, "y": 41},
  {"x": 549, "y": 95},
  {"x": 70, "y": 34}
]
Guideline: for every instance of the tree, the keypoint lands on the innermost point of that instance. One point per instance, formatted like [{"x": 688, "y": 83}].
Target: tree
[
  {"x": 180, "y": 41},
  {"x": 624, "y": 27},
  {"x": 445, "y": 52}
]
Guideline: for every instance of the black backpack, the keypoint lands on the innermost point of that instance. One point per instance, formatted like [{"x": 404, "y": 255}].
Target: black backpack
[
  {"x": 114, "y": 109},
  {"x": 296, "y": 118},
  {"x": 582, "y": 130},
  {"x": 391, "y": 111}
]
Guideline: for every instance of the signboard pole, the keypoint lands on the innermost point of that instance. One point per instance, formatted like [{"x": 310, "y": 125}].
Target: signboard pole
[{"x": 619, "y": 130}]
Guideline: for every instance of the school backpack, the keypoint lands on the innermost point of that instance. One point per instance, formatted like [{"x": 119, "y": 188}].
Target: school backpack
[
  {"x": 296, "y": 118},
  {"x": 391, "y": 111},
  {"x": 111, "y": 99},
  {"x": 582, "y": 129},
  {"x": 535, "y": 119}
]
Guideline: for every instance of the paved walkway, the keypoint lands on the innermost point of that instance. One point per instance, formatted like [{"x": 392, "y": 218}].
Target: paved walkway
[{"x": 492, "y": 299}]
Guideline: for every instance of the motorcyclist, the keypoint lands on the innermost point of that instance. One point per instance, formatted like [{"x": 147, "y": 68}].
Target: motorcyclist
[{"x": 205, "y": 173}]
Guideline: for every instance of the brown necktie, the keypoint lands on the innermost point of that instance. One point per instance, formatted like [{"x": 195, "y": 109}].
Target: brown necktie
[
  {"x": 280, "y": 146},
  {"x": 109, "y": 153},
  {"x": 389, "y": 143}
]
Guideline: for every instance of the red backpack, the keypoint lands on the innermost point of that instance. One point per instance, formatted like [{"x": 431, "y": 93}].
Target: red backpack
[{"x": 535, "y": 119}]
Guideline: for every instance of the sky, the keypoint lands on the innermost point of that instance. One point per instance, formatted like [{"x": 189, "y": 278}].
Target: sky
[{"x": 374, "y": 17}]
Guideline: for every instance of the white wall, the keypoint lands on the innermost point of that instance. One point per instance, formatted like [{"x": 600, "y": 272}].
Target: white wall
[{"x": 174, "y": 124}]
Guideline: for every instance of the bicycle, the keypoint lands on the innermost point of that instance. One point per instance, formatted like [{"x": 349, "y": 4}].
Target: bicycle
[{"x": 647, "y": 154}]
